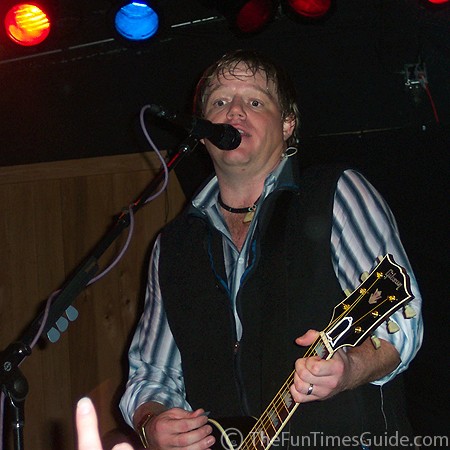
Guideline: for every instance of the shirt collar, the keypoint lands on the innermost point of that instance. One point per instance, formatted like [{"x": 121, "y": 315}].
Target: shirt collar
[{"x": 282, "y": 178}]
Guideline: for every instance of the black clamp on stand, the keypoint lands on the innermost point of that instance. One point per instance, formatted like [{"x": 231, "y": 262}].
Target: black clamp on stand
[
  {"x": 15, "y": 386},
  {"x": 12, "y": 382}
]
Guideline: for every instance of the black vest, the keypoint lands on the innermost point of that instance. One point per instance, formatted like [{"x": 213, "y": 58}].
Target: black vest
[{"x": 289, "y": 288}]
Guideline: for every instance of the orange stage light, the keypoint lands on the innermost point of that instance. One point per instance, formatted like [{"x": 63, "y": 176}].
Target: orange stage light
[{"x": 27, "y": 24}]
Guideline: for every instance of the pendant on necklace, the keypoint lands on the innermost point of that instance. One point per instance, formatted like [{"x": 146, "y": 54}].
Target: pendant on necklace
[
  {"x": 249, "y": 216},
  {"x": 248, "y": 210}
]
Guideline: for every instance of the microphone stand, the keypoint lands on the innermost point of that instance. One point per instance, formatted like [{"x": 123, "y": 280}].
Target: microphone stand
[{"x": 12, "y": 382}]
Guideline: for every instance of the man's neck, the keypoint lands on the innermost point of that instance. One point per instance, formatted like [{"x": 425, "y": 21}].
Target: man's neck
[{"x": 242, "y": 189}]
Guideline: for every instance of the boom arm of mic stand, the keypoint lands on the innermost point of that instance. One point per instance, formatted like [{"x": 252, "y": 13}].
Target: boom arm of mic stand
[{"x": 12, "y": 382}]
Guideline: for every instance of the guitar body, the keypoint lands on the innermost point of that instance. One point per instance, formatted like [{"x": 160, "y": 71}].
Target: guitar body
[{"x": 231, "y": 431}]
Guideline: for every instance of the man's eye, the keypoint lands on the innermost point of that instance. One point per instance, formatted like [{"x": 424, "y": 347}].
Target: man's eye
[
  {"x": 255, "y": 103},
  {"x": 219, "y": 103}
]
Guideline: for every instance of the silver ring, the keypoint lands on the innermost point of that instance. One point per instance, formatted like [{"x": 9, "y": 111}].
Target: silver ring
[{"x": 310, "y": 389}]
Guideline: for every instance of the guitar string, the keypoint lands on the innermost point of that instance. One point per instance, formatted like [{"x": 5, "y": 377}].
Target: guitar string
[
  {"x": 264, "y": 421},
  {"x": 274, "y": 406}
]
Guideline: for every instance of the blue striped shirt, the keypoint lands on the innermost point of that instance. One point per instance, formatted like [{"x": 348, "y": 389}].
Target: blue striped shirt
[{"x": 363, "y": 228}]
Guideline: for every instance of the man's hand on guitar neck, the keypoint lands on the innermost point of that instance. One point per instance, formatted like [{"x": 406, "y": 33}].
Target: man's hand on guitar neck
[{"x": 319, "y": 379}]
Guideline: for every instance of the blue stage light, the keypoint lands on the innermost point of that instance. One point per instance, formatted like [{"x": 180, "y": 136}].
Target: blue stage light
[{"x": 136, "y": 21}]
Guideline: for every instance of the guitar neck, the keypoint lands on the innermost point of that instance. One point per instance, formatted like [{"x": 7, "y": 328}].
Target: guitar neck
[{"x": 282, "y": 407}]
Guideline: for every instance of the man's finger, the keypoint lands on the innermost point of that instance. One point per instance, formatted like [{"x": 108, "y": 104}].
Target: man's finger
[{"x": 87, "y": 427}]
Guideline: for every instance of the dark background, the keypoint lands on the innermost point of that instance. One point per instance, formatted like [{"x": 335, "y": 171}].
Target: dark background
[{"x": 79, "y": 95}]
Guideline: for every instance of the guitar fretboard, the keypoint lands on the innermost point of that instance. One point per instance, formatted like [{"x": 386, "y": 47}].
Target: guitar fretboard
[{"x": 279, "y": 411}]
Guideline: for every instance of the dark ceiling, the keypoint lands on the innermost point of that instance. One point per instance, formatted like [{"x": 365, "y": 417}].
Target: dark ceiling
[{"x": 79, "y": 95}]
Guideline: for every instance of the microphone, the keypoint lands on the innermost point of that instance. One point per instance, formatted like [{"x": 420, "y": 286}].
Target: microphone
[{"x": 222, "y": 135}]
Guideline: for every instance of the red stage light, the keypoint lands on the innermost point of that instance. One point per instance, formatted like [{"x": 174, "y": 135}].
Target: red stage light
[
  {"x": 254, "y": 15},
  {"x": 438, "y": 2},
  {"x": 247, "y": 16},
  {"x": 310, "y": 8},
  {"x": 27, "y": 24}
]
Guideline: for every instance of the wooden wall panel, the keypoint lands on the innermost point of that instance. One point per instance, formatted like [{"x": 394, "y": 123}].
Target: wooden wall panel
[{"x": 53, "y": 214}]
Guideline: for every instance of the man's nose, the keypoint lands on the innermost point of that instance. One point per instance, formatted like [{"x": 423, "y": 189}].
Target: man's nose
[{"x": 236, "y": 108}]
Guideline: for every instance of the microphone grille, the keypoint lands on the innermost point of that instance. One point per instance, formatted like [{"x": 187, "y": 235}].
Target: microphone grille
[{"x": 230, "y": 139}]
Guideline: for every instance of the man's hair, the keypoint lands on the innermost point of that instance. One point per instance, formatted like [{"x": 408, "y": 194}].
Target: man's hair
[{"x": 254, "y": 62}]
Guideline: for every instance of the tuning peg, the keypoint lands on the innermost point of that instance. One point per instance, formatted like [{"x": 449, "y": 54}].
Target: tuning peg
[
  {"x": 380, "y": 258},
  {"x": 347, "y": 292},
  {"x": 392, "y": 327},
  {"x": 375, "y": 341},
  {"x": 409, "y": 312},
  {"x": 364, "y": 276}
]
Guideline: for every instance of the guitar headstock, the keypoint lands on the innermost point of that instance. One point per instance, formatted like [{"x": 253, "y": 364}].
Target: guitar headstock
[{"x": 382, "y": 292}]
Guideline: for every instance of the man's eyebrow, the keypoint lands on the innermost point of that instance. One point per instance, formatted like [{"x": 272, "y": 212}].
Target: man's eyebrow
[{"x": 216, "y": 86}]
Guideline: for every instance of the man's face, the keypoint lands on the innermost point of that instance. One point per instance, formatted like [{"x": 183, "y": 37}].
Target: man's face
[{"x": 250, "y": 104}]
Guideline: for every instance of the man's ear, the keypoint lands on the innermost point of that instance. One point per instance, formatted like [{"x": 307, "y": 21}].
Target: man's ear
[{"x": 289, "y": 124}]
